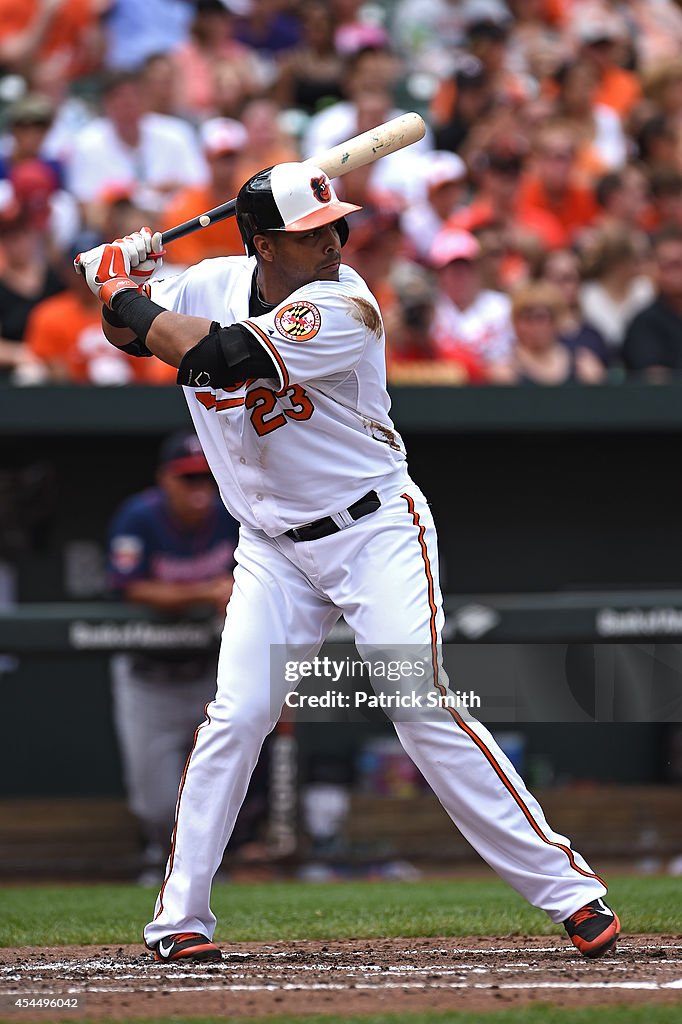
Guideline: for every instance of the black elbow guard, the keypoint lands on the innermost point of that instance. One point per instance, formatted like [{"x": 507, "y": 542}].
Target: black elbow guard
[{"x": 226, "y": 356}]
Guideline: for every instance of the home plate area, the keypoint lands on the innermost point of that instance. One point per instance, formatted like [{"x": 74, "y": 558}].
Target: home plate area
[{"x": 350, "y": 977}]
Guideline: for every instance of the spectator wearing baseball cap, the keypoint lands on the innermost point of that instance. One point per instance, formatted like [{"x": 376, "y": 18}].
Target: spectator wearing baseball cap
[
  {"x": 28, "y": 119},
  {"x": 222, "y": 141},
  {"x": 469, "y": 318},
  {"x": 444, "y": 176}
]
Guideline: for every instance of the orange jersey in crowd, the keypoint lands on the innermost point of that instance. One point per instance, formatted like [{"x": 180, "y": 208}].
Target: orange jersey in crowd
[
  {"x": 531, "y": 220},
  {"x": 577, "y": 209},
  {"x": 222, "y": 239},
  {"x": 68, "y": 337},
  {"x": 618, "y": 89},
  {"x": 64, "y": 36}
]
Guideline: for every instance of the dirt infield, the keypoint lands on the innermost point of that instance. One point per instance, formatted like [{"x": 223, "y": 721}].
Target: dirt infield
[{"x": 343, "y": 977}]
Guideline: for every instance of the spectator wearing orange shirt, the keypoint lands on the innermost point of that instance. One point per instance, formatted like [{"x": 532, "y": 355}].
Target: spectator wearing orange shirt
[
  {"x": 526, "y": 230},
  {"x": 51, "y": 42},
  {"x": 599, "y": 36},
  {"x": 65, "y": 342},
  {"x": 223, "y": 140},
  {"x": 551, "y": 183}
]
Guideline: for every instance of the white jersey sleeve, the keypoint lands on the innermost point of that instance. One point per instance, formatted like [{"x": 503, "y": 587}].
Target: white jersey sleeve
[
  {"x": 320, "y": 330},
  {"x": 217, "y": 289}
]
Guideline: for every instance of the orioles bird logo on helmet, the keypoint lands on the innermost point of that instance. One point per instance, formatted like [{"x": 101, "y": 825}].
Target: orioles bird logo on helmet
[{"x": 321, "y": 190}]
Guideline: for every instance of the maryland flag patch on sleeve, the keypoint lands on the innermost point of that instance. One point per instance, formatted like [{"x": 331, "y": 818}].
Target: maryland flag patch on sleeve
[{"x": 298, "y": 321}]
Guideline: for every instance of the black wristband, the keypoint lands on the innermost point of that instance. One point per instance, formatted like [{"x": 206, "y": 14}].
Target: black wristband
[
  {"x": 136, "y": 311},
  {"x": 111, "y": 317}
]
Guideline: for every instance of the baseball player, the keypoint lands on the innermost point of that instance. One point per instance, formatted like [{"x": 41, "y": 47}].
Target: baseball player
[
  {"x": 281, "y": 357},
  {"x": 171, "y": 547}
]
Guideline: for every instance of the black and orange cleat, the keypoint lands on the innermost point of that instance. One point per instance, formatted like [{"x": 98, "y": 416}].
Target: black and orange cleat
[
  {"x": 186, "y": 946},
  {"x": 594, "y": 929}
]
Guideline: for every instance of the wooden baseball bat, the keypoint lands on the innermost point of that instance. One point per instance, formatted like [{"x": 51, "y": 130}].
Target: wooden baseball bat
[{"x": 363, "y": 149}]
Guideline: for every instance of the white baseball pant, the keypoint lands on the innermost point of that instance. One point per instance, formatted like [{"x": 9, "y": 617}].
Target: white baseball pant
[{"x": 382, "y": 574}]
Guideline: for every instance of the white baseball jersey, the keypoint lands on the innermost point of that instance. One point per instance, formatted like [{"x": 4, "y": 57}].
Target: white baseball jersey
[{"x": 323, "y": 422}]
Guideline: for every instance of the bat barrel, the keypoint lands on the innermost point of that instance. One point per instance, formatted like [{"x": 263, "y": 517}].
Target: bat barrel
[{"x": 378, "y": 142}]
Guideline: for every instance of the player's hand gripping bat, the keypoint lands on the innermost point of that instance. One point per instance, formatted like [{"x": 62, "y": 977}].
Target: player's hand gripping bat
[{"x": 363, "y": 149}]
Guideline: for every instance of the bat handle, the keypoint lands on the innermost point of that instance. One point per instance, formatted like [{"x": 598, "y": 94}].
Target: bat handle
[{"x": 213, "y": 216}]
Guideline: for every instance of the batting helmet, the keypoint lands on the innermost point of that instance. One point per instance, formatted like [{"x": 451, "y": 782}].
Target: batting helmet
[{"x": 289, "y": 197}]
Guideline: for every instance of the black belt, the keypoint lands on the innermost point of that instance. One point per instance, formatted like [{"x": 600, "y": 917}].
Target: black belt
[{"x": 326, "y": 526}]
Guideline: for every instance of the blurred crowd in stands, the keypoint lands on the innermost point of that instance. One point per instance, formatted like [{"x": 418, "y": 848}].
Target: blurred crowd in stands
[{"x": 534, "y": 236}]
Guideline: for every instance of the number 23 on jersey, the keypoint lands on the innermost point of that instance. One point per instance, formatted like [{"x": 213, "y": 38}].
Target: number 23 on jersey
[{"x": 267, "y": 413}]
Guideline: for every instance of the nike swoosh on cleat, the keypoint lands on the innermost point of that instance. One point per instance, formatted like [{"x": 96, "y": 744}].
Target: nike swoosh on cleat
[
  {"x": 163, "y": 951},
  {"x": 603, "y": 909}
]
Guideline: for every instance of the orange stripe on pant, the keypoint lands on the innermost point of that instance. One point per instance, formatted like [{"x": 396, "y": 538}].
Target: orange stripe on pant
[
  {"x": 206, "y": 721},
  {"x": 459, "y": 721}
]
